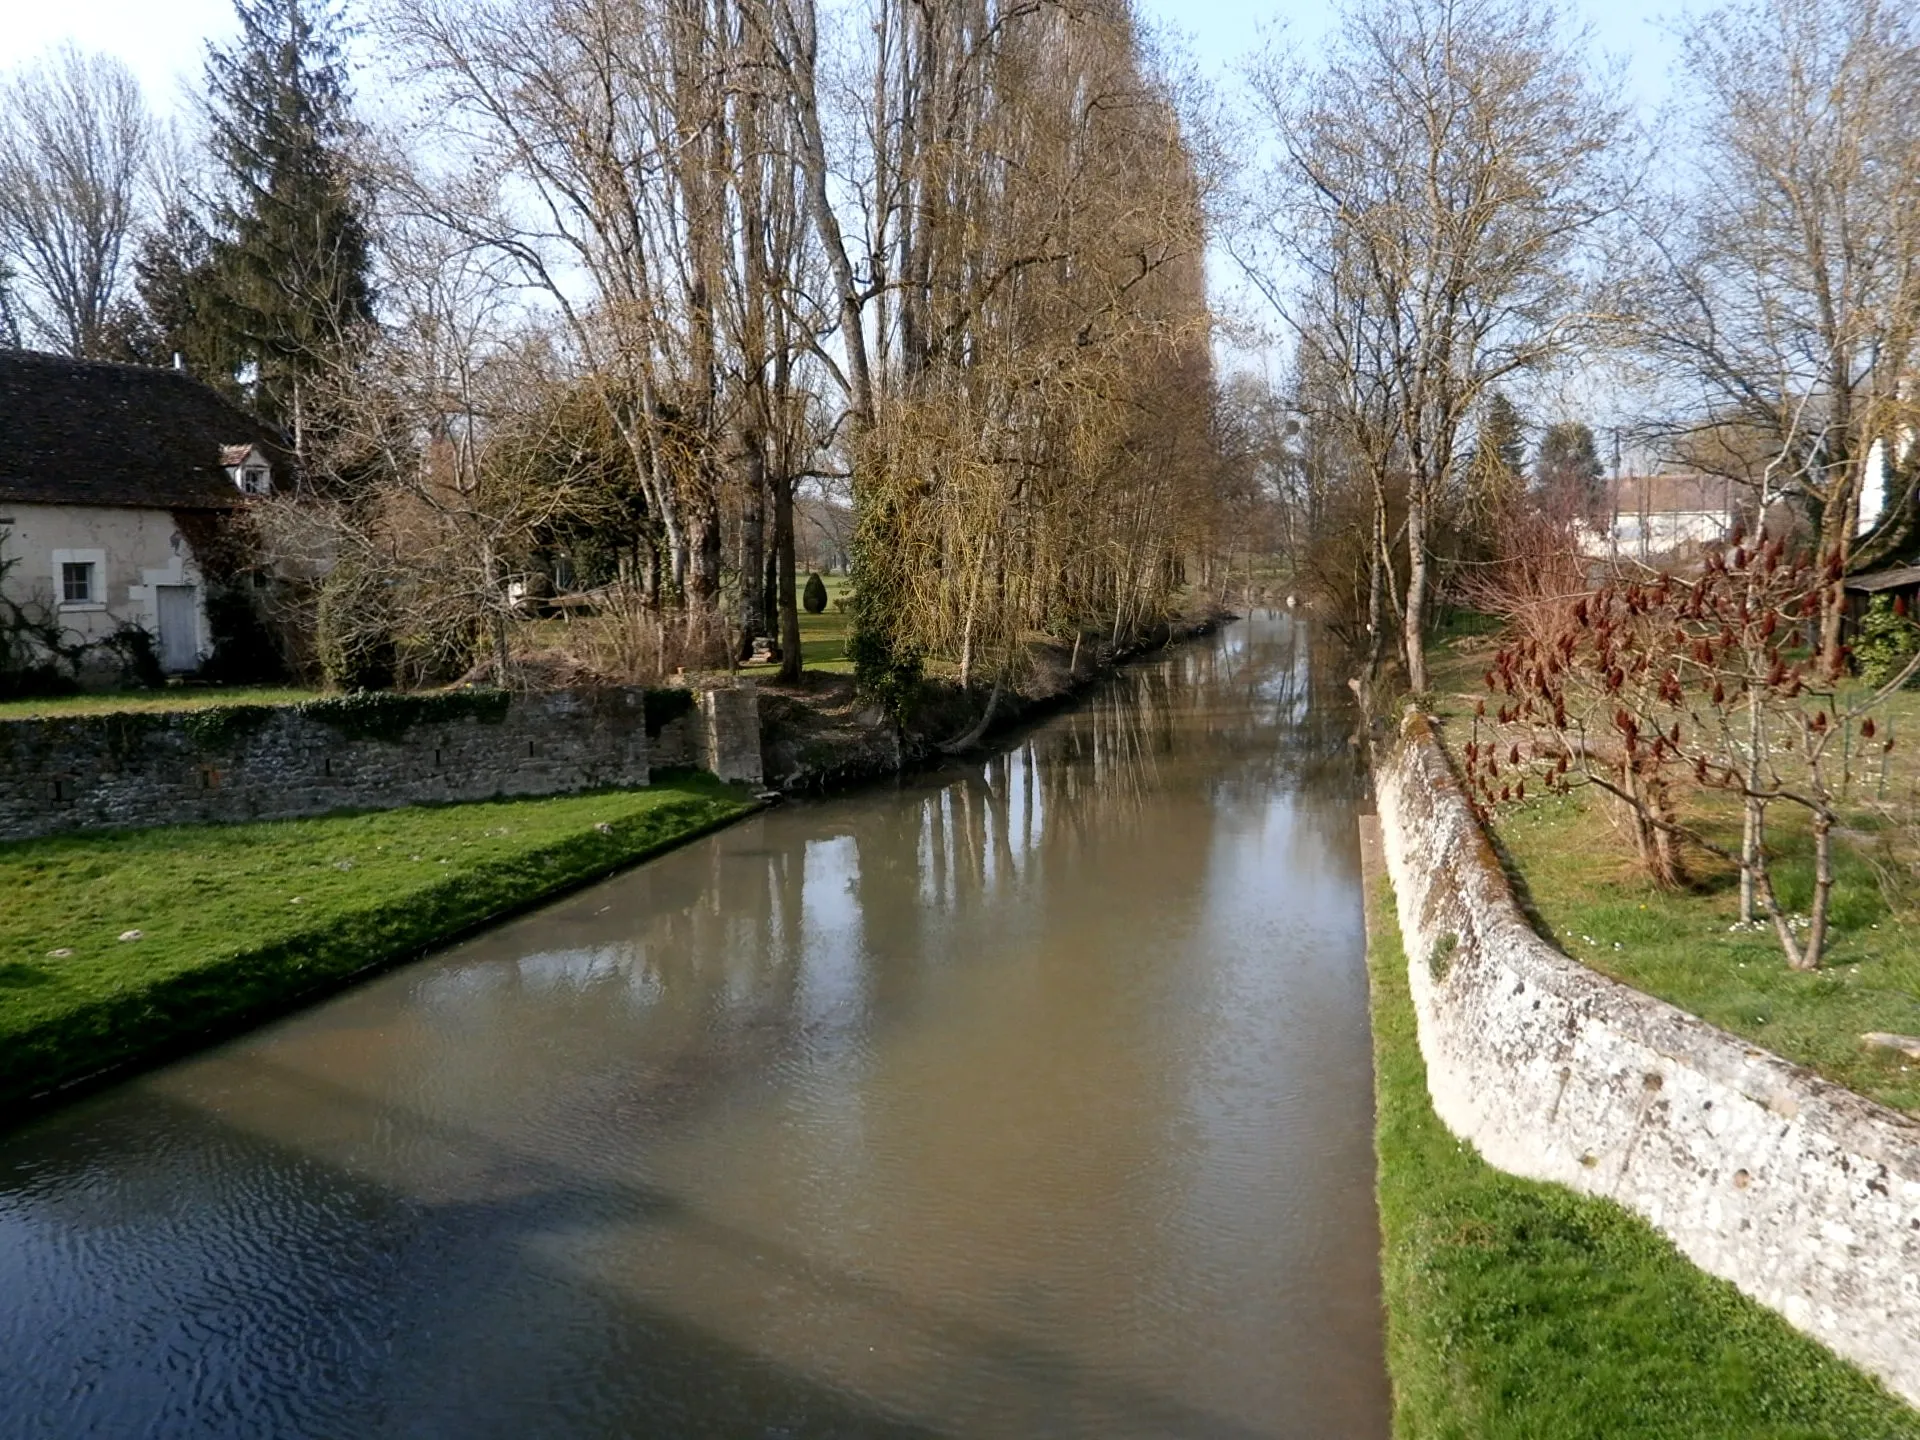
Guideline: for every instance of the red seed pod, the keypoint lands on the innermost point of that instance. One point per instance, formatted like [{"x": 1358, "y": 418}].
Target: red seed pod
[
  {"x": 1673, "y": 735},
  {"x": 1513, "y": 755},
  {"x": 1867, "y": 728},
  {"x": 1719, "y": 693},
  {"x": 1700, "y": 769},
  {"x": 1520, "y": 791},
  {"x": 1820, "y": 722},
  {"x": 1506, "y": 792},
  {"x": 1480, "y": 709},
  {"x": 1769, "y": 625}
]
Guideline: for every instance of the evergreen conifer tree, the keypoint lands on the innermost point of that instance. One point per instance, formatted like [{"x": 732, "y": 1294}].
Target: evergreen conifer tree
[
  {"x": 291, "y": 257},
  {"x": 1499, "y": 454},
  {"x": 1569, "y": 471}
]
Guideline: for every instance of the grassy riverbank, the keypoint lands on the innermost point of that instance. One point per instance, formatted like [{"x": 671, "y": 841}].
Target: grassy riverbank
[
  {"x": 1578, "y": 875},
  {"x": 228, "y": 923},
  {"x": 1518, "y": 1310}
]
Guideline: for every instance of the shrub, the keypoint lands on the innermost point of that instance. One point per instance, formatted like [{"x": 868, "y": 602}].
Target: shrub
[
  {"x": 139, "y": 662},
  {"x": 355, "y": 625},
  {"x": 244, "y": 648},
  {"x": 814, "y": 597},
  {"x": 1886, "y": 641}
]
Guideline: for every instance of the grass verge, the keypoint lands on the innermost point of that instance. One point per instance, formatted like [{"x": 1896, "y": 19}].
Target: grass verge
[
  {"x": 236, "y": 922},
  {"x": 1518, "y": 1310},
  {"x": 173, "y": 698}
]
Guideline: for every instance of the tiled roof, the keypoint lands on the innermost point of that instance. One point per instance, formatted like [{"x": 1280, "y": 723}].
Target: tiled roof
[{"x": 85, "y": 432}]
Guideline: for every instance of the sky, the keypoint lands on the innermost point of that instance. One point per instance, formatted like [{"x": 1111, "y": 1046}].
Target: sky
[{"x": 164, "y": 42}]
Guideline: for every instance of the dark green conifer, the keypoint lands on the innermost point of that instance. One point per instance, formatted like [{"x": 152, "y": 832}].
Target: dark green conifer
[{"x": 291, "y": 254}]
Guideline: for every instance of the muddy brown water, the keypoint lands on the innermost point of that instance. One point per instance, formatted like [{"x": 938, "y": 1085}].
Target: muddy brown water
[{"x": 1028, "y": 1098}]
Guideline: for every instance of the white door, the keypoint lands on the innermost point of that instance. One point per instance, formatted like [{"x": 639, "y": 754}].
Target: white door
[{"x": 179, "y": 627}]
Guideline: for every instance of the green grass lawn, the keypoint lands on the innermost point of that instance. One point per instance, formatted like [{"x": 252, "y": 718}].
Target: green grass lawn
[
  {"x": 1685, "y": 946},
  {"x": 236, "y": 921},
  {"x": 823, "y": 637},
  {"x": 1521, "y": 1311},
  {"x": 171, "y": 698}
]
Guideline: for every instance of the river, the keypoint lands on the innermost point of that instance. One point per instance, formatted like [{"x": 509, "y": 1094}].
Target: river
[{"x": 1029, "y": 1097}]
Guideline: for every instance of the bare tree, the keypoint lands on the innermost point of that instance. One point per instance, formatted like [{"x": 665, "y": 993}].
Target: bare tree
[
  {"x": 1784, "y": 300},
  {"x": 1441, "y": 170},
  {"x": 73, "y": 140}
]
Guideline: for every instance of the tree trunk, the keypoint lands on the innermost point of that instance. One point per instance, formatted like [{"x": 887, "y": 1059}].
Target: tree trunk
[
  {"x": 753, "y": 543},
  {"x": 1415, "y": 628},
  {"x": 790, "y": 660},
  {"x": 1815, "y": 948}
]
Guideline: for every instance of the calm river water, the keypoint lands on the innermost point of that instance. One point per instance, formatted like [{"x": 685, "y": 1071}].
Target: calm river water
[{"x": 1029, "y": 1098}]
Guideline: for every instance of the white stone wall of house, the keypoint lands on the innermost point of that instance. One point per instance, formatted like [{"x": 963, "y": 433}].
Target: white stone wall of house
[{"x": 139, "y": 570}]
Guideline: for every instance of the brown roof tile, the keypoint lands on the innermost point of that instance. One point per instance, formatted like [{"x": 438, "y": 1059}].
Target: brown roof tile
[{"x": 85, "y": 432}]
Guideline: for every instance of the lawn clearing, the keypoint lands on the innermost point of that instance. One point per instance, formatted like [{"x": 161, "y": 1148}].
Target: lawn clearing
[
  {"x": 236, "y": 921},
  {"x": 1577, "y": 874},
  {"x": 169, "y": 699},
  {"x": 823, "y": 637},
  {"x": 1518, "y": 1310}
]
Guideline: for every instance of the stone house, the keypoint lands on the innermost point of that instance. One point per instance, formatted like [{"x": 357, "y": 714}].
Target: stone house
[
  {"x": 119, "y": 485},
  {"x": 1649, "y": 517}
]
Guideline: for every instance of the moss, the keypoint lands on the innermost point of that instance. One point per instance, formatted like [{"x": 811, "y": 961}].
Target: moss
[
  {"x": 221, "y": 727},
  {"x": 388, "y": 715},
  {"x": 1440, "y": 958}
]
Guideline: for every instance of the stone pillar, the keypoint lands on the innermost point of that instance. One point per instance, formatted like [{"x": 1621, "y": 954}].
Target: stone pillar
[{"x": 730, "y": 743}]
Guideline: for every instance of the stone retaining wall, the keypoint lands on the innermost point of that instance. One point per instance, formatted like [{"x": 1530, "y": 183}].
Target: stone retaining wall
[
  {"x": 374, "y": 752},
  {"x": 1803, "y": 1194}
]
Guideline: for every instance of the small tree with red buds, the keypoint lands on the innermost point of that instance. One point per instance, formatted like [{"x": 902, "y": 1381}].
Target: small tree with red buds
[{"x": 1644, "y": 688}]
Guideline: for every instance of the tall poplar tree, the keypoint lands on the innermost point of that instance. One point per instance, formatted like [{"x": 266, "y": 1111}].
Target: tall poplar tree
[{"x": 291, "y": 258}]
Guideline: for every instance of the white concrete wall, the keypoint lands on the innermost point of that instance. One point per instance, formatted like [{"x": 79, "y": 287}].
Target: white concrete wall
[
  {"x": 1803, "y": 1194},
  {"x": 136, "y": 550}
]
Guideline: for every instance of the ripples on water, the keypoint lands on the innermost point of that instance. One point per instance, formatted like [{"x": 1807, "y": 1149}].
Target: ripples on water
[{"x": 1028, "y": 1098}]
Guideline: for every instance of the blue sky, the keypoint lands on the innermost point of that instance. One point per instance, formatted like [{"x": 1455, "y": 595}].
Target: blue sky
[
  {"x": 162, "y": 39},
  {"x": 164, "y": 42}
]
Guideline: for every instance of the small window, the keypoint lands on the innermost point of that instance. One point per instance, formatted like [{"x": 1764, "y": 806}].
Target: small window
[
  {"x": 76, "y": 583},
  {"x": 253, "y": 480}
]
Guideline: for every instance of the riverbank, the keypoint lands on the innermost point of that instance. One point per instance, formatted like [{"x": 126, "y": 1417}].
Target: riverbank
[
  {"x": 1517, "y": 1309},
  {"x": 817, "y": 735},
  {"x": 120, "y": 948}
]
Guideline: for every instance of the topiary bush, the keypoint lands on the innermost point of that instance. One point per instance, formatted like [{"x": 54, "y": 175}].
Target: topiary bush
[{"x": 814, "y": 596}]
